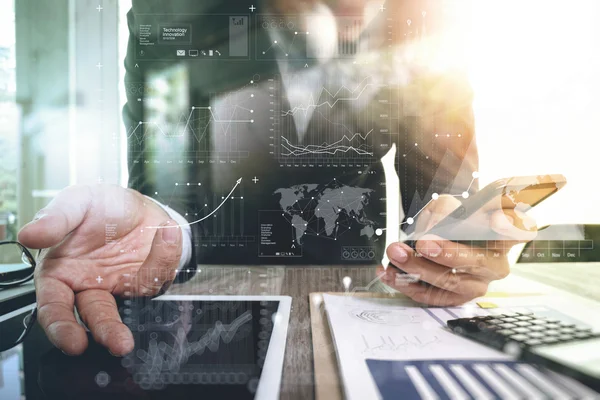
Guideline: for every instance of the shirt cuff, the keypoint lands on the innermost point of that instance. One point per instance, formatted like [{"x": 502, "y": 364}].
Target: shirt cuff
[{"x": 186, "y": 232}]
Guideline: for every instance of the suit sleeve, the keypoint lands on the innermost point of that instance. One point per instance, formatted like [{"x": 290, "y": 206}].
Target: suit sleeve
[
  {"x": 133, "y": 111},
  {"x": 436, "y": 146}
]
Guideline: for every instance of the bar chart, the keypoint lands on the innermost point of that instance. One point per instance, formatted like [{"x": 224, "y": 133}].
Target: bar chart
[{"x": 471, "y": 379}]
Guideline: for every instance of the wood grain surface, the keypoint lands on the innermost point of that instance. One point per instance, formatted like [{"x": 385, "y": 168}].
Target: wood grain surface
[{"x": 298, "y": 380}]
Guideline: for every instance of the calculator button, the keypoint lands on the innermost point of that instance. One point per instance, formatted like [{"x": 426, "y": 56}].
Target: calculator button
[
  {"x": 553, "y": 326},
  {"x": 537, "y": 328},
  {"x": 536, "y": 335},
  {"x": 507, "y": 326},
  {"x": 509, "y": 319},
  {"x": 567, "y": 325},
  {"x": 494, "y": 321},
  {"x": 539, "y": 322},
  {"x": 525, "y": 313},
  {"x": 511, "y": 315},
  {"x": 565, "y": 338},
  {"x": 521, "y": 330},
  {"x": 552, "y": 332},
  {"x": 519, "y": 338},
  {"x": 523, "y": 318},
  {"x": 506, "y": 332},
  {"x": 567, "y": 331},
  {"x": 582, "y": 335},
  {"x": 584, "y": 329},
  {"x": 488, "y": 328},
  {"x": 549, "y": 340},
  {"x": 522, "y": 323},
  {"x": 533, "y": 342}
]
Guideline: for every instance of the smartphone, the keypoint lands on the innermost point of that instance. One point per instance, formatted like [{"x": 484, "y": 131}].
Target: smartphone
[{"x": 517, "y": 193}]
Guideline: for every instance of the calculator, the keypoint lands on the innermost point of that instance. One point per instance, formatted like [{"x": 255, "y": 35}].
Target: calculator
[{"x": 557, "y": 345}]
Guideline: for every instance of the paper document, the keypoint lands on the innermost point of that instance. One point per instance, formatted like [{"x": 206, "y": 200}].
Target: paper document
[{"x": 389, "y": 348}]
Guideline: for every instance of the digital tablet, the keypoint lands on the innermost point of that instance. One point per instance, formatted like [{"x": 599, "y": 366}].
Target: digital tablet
[{"x": 208, "y": 346}]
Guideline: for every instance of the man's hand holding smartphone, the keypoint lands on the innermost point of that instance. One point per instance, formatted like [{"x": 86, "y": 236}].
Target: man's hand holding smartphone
[{"x": 455, "y": 272}]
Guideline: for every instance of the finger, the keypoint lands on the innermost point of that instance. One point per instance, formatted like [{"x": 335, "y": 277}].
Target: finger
[
  {"x": 422, "y": 222},
  {"x": 160, "y": 267},
  {"x": 60, "y": 217},
  {"x": 433, "y": 296},
  {"x": 436, "y": 210},
  {"x": 393, "y": 276},
  {"x": 438, "y": 297},
  {"x": 513, "y": 225},
  {"x": 435, "y": 274},
  {"x": 491, "y": 264},
  {"x": 55, "y": 301},
  {"x": 430, "y": 295},
  {"x": 500, "y": 225},
  {"x": 443, "y": 206},
  {"x": 98, "y": 310}
]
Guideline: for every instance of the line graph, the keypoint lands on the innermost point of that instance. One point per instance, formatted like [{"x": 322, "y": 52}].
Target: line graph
[
  {"x": 353, "y": 94},
  {"x": 349, "y": 39},
  {"x": 335, "y": 122},
  {"x": 219, "y": 213},
  {"x": 397, "y": 317},
  {"x": 398, "y": 344},
  {"x": 172, "y": 129},
  {"x": 287, "y": 37},
  {"x": 179, "y": 346},
  {"x": 434, "y": 197},
  {"x": 180, "y": 129},
  {"x": 182, "y": 349},
  {"x": 237, "y": 183},
  {"x": 325, "y": 148},
  {"x": 284, "y": 48}
]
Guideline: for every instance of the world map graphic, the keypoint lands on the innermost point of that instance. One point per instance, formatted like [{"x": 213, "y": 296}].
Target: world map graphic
[{"x": 328, "y": 210}]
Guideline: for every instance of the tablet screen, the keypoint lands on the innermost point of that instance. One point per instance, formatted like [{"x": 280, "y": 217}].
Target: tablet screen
[{"x": 179, "y": 345}]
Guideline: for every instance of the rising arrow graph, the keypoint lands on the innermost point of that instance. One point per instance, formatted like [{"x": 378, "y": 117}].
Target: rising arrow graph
[{"x": 237, "y": 183}]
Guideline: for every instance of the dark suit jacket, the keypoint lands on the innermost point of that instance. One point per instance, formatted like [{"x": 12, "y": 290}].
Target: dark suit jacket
[{"x": 211, "y": 155}]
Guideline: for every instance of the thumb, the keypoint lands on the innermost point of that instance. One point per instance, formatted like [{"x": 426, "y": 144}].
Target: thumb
[
  {"x": 514, "y": 225},
  {"x": 160, "y": 267},
  {"x": 441, "y": 208},
  {"x": 55, "y": 221}
]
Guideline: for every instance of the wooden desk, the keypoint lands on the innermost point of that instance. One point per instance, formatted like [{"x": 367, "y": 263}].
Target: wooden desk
[
  {"x": 299, "y": 282},
  {"x": 582, "y": 278}
]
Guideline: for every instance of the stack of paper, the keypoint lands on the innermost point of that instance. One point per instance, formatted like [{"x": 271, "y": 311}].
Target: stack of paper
[{"x": 390, "y": 349}]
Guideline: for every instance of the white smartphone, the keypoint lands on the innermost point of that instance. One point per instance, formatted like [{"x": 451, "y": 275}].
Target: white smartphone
[{"x": 517, "y": 193}]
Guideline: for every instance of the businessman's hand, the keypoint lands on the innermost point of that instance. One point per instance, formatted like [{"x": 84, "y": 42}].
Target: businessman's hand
[
  {"x": 97, "y": 243},
  {"x": 456, "y": 272}
]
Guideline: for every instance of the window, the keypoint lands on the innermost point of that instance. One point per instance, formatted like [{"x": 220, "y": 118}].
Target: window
[
  {"x": 535, "y": 98},
  {"x": 68, "y": 85},
  {"x": 9, "y": 115}
]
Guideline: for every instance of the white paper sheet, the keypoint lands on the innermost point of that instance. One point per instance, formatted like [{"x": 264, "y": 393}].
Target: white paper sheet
[{"x": 386, "y": 329}]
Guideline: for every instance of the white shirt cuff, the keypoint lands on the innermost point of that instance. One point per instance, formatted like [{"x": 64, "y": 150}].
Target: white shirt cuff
[{"x": 186, "y": 231}]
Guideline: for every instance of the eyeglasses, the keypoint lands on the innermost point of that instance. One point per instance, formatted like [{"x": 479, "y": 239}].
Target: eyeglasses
[{"x": 17, "y": 265}]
